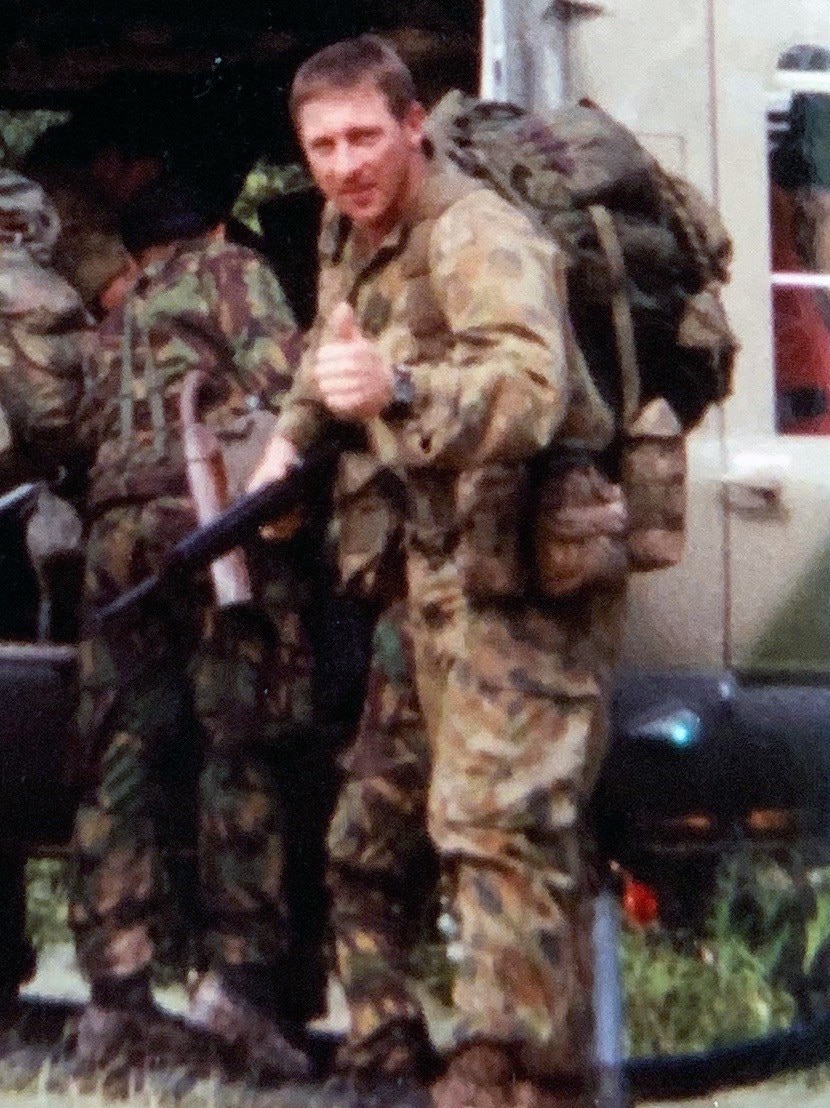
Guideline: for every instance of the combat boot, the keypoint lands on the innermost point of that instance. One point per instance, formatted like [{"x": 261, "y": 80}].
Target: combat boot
[
  {"x": 400, "y": 1050},
  {"x": 482, "y": 1075},
  {"x": 254, "y": 1036},
  {"x": 122, "y": 1022}
]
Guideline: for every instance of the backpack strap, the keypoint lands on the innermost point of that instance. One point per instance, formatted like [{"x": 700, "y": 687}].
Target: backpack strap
[
  {"x": 620, "y": 310},
  {"x": 125, "y": 391},
  {"x": 153, "y": 380},
  {"x": 155, "y": 397}
]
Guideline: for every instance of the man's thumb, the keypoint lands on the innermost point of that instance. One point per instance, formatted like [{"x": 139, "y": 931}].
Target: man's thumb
[{"x": 342, "y": 323}]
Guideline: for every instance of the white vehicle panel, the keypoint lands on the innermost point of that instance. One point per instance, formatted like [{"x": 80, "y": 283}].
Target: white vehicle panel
[{"x": 779, "y": 573}]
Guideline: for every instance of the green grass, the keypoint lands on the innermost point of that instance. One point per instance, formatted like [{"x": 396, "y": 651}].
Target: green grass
[
  {"x": 46, "y": 902},
  {"x": 678, "y": 1001}
]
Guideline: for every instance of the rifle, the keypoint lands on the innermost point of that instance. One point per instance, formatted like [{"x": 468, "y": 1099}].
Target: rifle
[
  {"x": 229, "y": 529},
  {"x": 207, "y": 477},
  {"x": 21, "y": 499}
]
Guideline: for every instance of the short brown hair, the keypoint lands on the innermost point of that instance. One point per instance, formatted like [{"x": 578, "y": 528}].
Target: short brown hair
[{"x": 348, "y": 63}]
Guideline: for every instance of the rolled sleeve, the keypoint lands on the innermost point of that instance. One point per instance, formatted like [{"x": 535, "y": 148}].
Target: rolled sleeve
[
  {"x": 257, "y": 324},
  {"x": 501, "y": 392}
]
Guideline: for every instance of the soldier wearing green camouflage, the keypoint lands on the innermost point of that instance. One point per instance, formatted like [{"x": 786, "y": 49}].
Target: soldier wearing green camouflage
[
  {"x": 42, "y": 332},
  {"x": 185, "y": 692},
  {"x": 43, "y": 329},
  {"x": 441, "y": 331}
]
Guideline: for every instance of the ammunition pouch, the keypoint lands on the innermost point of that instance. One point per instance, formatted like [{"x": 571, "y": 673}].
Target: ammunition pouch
[
  {"x": 509, "y": 530},
  {"x": 589, "y": 530},
  {"x": 367, "y": 527},
  {"x": 561, "y": 524},
  {"x": 580, "y": 523},
  {"x": 491, "y": 506},
  {"x": 653, "y": 468}
]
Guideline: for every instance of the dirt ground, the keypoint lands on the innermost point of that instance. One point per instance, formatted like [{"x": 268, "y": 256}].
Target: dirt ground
[{"x": 30, "y": 1078}]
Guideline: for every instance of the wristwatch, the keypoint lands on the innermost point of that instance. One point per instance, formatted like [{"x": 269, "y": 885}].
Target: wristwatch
[{"x": 403, "y": 392}]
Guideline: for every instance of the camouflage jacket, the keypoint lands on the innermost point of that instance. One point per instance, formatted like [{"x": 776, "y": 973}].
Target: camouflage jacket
[
  {"x": 464, "y": 293},
  {"x": 44, "y": 330},
  {"x": 211, "y": 306}
]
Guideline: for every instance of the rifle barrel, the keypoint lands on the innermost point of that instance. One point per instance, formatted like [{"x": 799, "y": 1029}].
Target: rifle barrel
[
  {"x": 228, "y": 530},
  {"x": 20, "y": 498}
]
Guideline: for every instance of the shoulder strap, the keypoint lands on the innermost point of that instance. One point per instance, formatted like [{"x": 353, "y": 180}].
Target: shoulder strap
[
  {"x": 126, "y": 399},
  {"x": 153, "y": 381},
  {"x": 620, "y": 311}
]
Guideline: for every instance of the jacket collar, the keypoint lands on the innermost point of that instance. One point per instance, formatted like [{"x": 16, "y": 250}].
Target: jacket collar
[{"x": 442, "y": 180}]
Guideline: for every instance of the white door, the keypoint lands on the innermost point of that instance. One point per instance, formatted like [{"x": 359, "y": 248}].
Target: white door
[
  {"x": 649, "y": 63},
  {"x": 772, "y": 67}
]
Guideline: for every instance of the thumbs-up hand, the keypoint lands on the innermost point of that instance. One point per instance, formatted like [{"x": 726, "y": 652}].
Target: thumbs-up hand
[{"x": 354, "y": 380}]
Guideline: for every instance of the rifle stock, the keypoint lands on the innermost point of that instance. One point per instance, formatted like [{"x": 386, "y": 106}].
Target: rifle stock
[{"x": 229, "y": 529}]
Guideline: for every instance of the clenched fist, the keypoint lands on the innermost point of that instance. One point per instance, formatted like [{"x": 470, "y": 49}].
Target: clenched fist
[{"x": 354, "y": 380}]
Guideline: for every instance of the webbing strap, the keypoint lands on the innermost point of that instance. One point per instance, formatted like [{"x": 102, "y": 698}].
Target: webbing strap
[
  {"x": 153, "y": 380},
  {"x": 155, "y": 397},
  {"x": 125, "y": 393},
  {"x": 620, "y": 310}
]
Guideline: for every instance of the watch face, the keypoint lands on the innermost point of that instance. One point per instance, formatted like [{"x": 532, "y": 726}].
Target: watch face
[{"x": 403, "y": 391}]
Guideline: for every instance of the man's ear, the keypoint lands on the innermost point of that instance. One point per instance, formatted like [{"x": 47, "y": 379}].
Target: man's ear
[{"x": 413, "y": 122}]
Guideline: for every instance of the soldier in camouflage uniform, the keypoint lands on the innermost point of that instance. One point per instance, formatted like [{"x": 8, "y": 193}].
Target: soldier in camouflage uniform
[
  {"x": 43, "y": 325},
  {"x": 42, "y": 330},
  {"x": 184, "y": 692},
  {"x": 441, "y": 331}
]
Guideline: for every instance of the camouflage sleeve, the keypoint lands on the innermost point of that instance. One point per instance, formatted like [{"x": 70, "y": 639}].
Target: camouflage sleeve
[
  {"x": 502, "y": 392},
  {"x": 259, "y": 326},
  {"x": 43, "y": 337},
  {"x": 303, "y": 418}
]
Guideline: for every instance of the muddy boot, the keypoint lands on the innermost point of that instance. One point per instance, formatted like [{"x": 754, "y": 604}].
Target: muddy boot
[
  {"x": 104, "y": 1034},
  {"x": 122, "y": 1023},
  {"x": 479, "y": 1076},
  {"x": 227, "y": 1008},
  {"x": 400, "y": 1050}
]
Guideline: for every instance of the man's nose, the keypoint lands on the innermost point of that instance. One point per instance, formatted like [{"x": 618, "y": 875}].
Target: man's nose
[{"x": 345, "y": 160}]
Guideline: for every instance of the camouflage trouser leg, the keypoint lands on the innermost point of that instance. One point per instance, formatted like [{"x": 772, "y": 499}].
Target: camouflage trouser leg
[
  {"x": 118, "y": 889},
  {"x": 379, "y": 851},
  {"x": 188, "y": 685},
  {"x": 518, "y": 725},
  {"x": 241, "y": 858}
]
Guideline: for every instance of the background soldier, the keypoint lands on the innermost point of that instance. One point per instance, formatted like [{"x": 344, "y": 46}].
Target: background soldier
[
  {"x": 43, "y": 326},
  {"x": 446, "y": 342},
  {"x": 184, "y": 668}
]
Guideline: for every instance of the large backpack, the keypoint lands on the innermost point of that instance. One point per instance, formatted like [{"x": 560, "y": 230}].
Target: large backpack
[{"x": 645, "y": 259}]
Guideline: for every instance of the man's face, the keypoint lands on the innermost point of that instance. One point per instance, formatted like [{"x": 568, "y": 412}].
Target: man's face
[{"x": 362, "y": 158}]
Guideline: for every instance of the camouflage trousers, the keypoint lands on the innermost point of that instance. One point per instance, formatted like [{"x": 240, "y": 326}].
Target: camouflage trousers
[
  {"x": 182, "y": 710},
  {"x": 487, "y": 725}
]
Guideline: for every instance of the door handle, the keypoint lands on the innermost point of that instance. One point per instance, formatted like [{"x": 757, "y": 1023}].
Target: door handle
[
  {"x": 753, "y": 490},
  {"x": 566, "y": 10}
]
